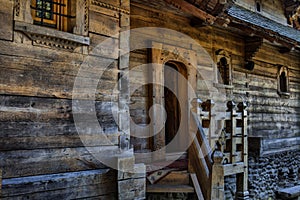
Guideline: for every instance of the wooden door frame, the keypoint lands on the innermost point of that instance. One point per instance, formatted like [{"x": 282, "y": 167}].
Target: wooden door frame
[{"x": 160, "y": 55}]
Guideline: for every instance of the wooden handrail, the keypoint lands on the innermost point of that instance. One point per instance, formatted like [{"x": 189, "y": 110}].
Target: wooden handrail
[
  {"x": 200, "y": 161},
  {"x": 200, "y": 134}
]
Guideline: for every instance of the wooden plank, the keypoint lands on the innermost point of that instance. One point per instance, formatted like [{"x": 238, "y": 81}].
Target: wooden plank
[
  {"x": 289, "y": 193},
  {"x": 103, "y": 24},
  {"x": 231, "y": 169},
  {"x": 156, "y": 188},
  {"x": 197, "y": 187},
  {"x": 175, "y": 178},
  {"x": 47, "y": 161},
  {"x": 189, "y": 8},
  {"x": 6, "y": 19},
  {"x": 157, "y": 175},
  {"x": 73, "y": 185},
  {"x": 104, "y": 46},
  {"x": 37, "y": 73},
  {"x": 132, "y": 189}
]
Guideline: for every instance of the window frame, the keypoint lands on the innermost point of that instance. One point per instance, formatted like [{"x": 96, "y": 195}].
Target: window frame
[
  {"x": 59, "y": 12},
  {"x": 75, "y": 39},
  {"x": 286, "y": 92},
  {"x": 219, "y": 54}
]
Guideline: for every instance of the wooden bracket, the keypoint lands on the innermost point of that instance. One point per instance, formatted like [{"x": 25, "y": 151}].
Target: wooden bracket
[
  {"x": 252, "y": 45},
  {"x": 193, "y": 10}
]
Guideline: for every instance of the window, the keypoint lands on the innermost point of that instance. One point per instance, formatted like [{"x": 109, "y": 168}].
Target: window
[
  {"x": 224, "y": 67},
  {"x": 258, "y": 6},
  {"x": 52, "y": 13},
  {"x": 283, "y": 81},
  {"x": 224, "y": 71}
]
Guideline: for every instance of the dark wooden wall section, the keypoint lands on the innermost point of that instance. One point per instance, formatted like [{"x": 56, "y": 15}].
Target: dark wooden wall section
[{"x": 41, "y": 154}]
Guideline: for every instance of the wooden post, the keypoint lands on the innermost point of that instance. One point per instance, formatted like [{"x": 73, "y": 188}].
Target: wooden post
[
  {"x": 231, "y": 125},
  {"x": 157, "y": 93},
  {"x": 0, "y": 183},
  {"x": 242, "y": 178},
  {"x": 207, "y": 118},
  {"x": 217, "y": 179}
]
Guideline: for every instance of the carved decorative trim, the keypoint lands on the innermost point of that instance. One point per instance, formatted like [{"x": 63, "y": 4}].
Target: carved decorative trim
[
  {"x": 174, "y": 53},
  {"x": 50, "y": 37},
  {"x": 17, "y": 7},
  {"x": 42, "y": 40},
  {"x": 86, "y": 16},
  {"x": 109, "y": 6}
]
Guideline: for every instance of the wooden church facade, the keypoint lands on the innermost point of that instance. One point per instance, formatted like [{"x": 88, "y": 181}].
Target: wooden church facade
[{"x": 250, "y": 70}]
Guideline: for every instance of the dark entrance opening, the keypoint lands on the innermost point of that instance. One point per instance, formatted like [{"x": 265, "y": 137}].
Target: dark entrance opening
[{"x": 175, "y": 95}]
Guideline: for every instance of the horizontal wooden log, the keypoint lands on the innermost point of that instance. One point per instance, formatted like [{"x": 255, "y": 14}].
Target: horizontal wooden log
[
  {"x": 103, "y": 24},
  {"x": 47, "y": 161},
  {"x": 81, "y": 184},
  {"x": 33, "y": 72},
  {"x": 104, "y": 46}
]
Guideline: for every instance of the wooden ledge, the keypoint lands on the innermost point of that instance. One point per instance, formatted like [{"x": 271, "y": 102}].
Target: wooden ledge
[
  {"x": 289, "y": 193},
  {"x": 31, "y": 29},
  {"x": 161, "y": 188},
  {"x": 222, "y": 86}
]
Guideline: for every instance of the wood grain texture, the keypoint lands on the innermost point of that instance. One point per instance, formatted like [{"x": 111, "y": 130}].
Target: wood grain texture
[
  {"x": 6, "y": 19},
  {"x": 82, "y": 184}
]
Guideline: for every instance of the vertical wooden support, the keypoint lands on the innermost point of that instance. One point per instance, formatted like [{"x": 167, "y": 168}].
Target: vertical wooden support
[
  {"x": 217, "y": 179},
  {"x": 157, "y": 93},
  {"x": 232, "y": 125},
  {"x": 242, "y": 178},
  {"x": 82, "y": 17},
  {"x": 195, "y": 108},
  {"x": 0, "y": 183},
  {"x": 124, "y": 96},
  {"x": 6, "y": 14},
  {"x": 207, "y": 122}
]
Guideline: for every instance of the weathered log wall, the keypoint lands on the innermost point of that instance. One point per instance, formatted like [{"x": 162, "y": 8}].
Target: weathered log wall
[
  {"x": 41, "y": 153},
  {"x": 273, "y": 119},
  {"x": 270, "y": 116}
]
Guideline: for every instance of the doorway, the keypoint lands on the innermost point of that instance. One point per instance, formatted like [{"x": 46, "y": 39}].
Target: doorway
[{"x": 175, "y": 102}]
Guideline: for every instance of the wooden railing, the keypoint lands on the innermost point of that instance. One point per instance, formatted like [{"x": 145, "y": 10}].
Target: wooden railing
[
  {"x": 200, "y": 153},
  {"x": 229, "y": 154}
]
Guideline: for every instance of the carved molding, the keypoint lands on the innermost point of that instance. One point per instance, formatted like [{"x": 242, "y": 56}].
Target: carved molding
[
  {"x": 17, "y": 7},
  {"x": 109, "y": 6},
  {"x": 172, "y": 53},
  {"x": 41, "y": 40},
  {"x": 86, "y": 16},
  {"x": 42, "y": 36}
]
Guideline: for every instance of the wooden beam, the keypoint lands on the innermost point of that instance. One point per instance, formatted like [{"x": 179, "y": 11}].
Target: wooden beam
[{"x": 189, "y": 8}]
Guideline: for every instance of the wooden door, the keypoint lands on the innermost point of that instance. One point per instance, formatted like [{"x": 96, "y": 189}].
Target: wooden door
[{"x": 175, "y": 94}]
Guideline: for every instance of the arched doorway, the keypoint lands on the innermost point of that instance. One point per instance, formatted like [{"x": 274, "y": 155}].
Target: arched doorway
[{"x": 175, "y": 102}]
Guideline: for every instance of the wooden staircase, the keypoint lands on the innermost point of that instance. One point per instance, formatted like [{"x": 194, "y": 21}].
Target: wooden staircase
[
  {"x": 176, "y": 182},
  {"x": 230, "y": 153},
  {"x": 203, "y": 174}
]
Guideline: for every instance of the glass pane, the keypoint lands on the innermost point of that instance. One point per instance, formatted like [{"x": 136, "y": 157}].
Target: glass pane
[{"x": 42, "y": 6}]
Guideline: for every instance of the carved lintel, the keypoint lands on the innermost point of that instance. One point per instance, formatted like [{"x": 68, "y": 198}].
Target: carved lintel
[{"x": 109, "y": 6}]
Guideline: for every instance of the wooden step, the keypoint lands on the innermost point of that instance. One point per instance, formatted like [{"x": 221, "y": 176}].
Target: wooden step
[
  {"x": 161, "y": 188},
  {"x": 175, "y": 178}
]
